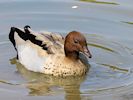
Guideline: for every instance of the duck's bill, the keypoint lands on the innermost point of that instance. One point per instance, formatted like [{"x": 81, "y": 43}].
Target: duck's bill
[
  {"x": 87, "y": 52},
  {"x": 84, "y": 58},
  {"x": 85, "y": 55}
]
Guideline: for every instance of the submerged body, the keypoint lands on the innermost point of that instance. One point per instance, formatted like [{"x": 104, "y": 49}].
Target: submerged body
[{"x": 48, "y": 53}]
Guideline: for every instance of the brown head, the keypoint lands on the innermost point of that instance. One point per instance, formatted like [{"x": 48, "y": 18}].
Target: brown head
[{"x": 75, "y": 43}]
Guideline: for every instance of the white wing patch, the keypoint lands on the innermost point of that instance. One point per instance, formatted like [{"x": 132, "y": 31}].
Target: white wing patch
[{"x": 29, "y": 57}]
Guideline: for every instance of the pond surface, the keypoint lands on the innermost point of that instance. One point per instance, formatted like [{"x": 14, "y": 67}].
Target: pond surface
[{"x": 108, "y": 27}]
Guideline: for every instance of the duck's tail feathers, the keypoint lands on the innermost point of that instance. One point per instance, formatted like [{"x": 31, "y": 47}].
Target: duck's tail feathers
[
  {"x": 26, "y": 34},
  {"x": 11, "y": 36}
]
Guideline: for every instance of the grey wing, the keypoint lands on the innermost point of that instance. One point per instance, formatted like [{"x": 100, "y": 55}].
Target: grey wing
[
  {"x": 56, "y": 40},
  {"x": 53, "y": 43}
]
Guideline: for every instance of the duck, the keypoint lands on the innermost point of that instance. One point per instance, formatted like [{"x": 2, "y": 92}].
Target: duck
[{"x": 51, "y": 53}]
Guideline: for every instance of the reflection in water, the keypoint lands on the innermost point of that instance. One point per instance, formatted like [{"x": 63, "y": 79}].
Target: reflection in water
[
  {"x": 102, "y": 47},
  {"x": 9, "y": 83},
  {"x": 115, "y": 68},
  {"x": 41, "y": 84},
  {"x": 100, "y": 2},
  {"x": 131, "y": 23}
]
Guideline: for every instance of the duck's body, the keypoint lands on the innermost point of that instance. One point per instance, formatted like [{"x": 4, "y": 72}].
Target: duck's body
[
  {"x": 37, "y": 60},
  {"x": 44, "y": 53}
]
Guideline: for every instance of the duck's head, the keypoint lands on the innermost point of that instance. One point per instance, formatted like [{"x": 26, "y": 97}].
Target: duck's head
[{"x": 75, "y": 43}]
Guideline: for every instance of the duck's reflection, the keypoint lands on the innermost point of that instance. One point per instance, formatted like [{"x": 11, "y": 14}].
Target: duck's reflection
[{"x": 40, "y": 84}]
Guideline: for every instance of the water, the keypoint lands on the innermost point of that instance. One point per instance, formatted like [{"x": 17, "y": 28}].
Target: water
[{"x": 108, "y": 28}]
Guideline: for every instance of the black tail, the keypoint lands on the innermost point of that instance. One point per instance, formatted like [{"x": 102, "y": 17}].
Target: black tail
[
  {"x": 20, "y": 33},
  {"x": 25, "y": 35},
  {"x": 11, "y": 36}
]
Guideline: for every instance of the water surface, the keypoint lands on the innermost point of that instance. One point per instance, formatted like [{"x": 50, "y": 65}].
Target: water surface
[{"x": 108, "y": 28}]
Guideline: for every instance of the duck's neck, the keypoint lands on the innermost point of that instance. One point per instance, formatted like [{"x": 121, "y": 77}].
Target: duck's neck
[{"x": 72, "y": 55}]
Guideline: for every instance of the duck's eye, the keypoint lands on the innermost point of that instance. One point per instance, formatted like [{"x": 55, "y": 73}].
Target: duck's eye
[{"x": 76, "y": 41}]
